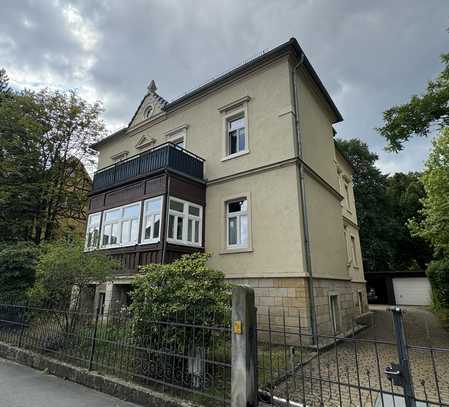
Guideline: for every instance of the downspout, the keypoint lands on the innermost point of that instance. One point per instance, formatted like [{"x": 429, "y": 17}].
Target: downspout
[{"x": 303, "y": 196}]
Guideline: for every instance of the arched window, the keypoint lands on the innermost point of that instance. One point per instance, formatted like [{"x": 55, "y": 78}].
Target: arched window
[{"x": 148, "y": 111}]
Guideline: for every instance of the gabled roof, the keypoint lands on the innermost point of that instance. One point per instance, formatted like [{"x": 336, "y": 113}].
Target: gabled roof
[
  {"x": 292, "y": 46},
  {"x": 157, "y": 97}
]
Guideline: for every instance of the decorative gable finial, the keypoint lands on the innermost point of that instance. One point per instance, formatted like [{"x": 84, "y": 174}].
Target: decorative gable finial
[{"x": 152, "y": 87}]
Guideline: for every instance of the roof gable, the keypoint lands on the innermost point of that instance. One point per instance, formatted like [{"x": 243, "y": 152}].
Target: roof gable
[{"x": 151, "y": 105}]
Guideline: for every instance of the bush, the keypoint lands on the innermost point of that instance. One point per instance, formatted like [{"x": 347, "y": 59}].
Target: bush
[
  {"x": 438, "y": 274},
  {"x": 186, "y": 285},
  {"x": 172, "y": 306},
  {"x": 17, "y": 268},
  {"x": 64, "y": 273}
]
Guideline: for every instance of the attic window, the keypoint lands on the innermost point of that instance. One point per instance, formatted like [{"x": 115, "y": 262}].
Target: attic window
[{"x": 148, "y": 111}]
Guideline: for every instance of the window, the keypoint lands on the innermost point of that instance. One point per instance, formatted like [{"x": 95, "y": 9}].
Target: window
[
  {"x": 184, "y": 222},
  {"x": 93, "y": 231},
  {"x": 360, "y": 297},
  {"x": 347, "y": 197},
  {"x": 354, "y": 251},
  {"x": 177, "y": 136},
  {"x": 178, "y": 140},
  {"x": 151, "y": 220},
  {"x": 236, "y": 135},
  {"x": 334, "y": 313},
  {"x": 237, "y": 224},
  {"x": 148, "y": 112},
  {"x": 121, "y": 226}
]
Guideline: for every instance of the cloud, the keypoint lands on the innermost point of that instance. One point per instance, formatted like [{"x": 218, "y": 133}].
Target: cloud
[{"x": 370, "y": 55}]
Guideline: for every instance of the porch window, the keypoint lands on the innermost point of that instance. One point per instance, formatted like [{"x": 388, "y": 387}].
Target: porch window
[
  {"x": 237, "y": 224},
  {"x": 93, "y": 231},
  {"x": 152, "y": 220},
  {"x": 121, "y": 226},
  {"x": 184, "y": 222}
]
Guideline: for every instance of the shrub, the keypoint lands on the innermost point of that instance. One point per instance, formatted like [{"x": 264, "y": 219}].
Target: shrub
[
  {"x": 17, "y": 268},
  {"x": 438, "y": 274},
  {"x": 184, "y": 286},
  {"x": 189, "y": 296},
  {"x": 64, "y": 273}
]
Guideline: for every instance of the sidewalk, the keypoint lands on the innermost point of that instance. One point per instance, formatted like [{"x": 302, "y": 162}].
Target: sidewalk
[{"x": 21, "y": 386}]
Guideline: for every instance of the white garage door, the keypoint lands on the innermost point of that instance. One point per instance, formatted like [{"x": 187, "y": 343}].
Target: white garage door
[{"x": 412, "y": 291}]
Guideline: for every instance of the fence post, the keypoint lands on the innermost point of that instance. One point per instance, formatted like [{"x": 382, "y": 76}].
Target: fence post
[
  {"x": 404, "y": 365},
  {"x": 244, "y": 348},
  {"x": 94, "y": 339},
  {"x": 22, "y": 322}
]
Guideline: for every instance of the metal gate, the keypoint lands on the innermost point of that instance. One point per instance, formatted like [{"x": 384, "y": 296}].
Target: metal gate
[{"x": 298, "y": 368}]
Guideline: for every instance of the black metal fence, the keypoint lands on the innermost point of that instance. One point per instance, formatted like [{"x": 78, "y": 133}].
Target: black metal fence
[
  {"x": 186, "y": 354},
  {"x": 381, "y": 365}
]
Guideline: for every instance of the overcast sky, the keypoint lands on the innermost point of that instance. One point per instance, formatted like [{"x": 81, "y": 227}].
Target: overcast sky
[{"x": 369, "y": 54}]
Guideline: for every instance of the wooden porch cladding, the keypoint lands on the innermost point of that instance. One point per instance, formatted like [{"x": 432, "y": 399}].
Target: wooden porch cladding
[{"x": 166, "y": 184}]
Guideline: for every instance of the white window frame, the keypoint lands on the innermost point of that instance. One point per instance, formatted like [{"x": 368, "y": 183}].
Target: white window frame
[
  {"x": 177, "y": 136},
  {"x": 151, "y": 214},
  {"x": 89, "y": 226},
  {"x": 347, "y": 193},
  {"x": 230, "y": 112},
  {"x": 185, "y": 216},
  {"x": 335, "y": 317},
  {"x": 238, "y": 215},
  {"x": 354, "y": 257},
  {"x": 120, "y": 221}
]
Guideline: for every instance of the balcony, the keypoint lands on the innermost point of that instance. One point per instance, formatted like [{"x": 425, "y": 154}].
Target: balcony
[{"x": 166, "y": 156}]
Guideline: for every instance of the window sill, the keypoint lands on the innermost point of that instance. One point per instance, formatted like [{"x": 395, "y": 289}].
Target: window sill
[
  {"x": 118, "y": 246},
  {"x": 231, "y": 156},
  {"x": 149, "y": 241},
  {"x": 237, "y": 250},
  {"x": 182, "y": 243}
]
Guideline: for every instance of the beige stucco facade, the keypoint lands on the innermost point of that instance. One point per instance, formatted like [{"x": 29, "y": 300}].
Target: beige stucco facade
[{"x": 267, "y": 174}]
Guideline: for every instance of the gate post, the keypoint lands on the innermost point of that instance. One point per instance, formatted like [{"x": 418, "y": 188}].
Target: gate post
[
  {"x": 244, "y": 348},
  {"x": 404, "y": 365}
]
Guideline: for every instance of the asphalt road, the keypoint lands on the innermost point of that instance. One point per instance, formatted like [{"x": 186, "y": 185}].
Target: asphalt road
[{"x": 21, "y": 386}]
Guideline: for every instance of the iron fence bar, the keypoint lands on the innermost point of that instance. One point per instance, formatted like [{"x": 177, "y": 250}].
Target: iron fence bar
[
  {"x": 301, "y": 359},
  {"x": 94, "y": 336},
  {"x": 435, "y": 372},
  {"x": 337, "y": 363},
  {"x": 356, "y": 361},
  {"x": 379, "y": 375},
  {"x": 409, "y": 394}
]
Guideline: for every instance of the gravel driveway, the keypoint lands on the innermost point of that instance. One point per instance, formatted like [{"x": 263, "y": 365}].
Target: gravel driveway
[{"x": 422, "y": 329}]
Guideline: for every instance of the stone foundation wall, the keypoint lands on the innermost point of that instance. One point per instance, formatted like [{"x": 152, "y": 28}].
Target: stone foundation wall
[{"x": 284, "y": 302}]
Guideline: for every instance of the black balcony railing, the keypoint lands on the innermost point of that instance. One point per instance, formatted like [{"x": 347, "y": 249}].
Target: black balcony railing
[{"x": 165, "y": 156}]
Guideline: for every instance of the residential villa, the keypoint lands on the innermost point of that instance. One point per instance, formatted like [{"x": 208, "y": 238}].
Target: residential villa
[{"x": 245, "y": 168}]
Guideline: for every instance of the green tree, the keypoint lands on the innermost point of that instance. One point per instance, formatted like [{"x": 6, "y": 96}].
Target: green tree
[
  {"x": 404, "y": 194},
  {"x": 432, "y": 224},
  {"x": 419, "y": 116},
  {"x": 370, "y": 187},
  {"x": 65, "y": 274},
  {"x": 17, "y": 268},
  {"x": 42, "y": 135}
]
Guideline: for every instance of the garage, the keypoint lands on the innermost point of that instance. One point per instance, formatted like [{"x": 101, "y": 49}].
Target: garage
[
  {"x": 398, "y": 288},
  {"x": 412, "y": 291}
]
